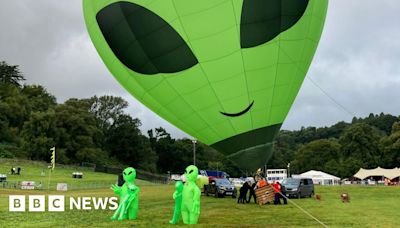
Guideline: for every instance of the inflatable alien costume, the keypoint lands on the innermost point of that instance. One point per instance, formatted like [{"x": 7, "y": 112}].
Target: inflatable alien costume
[
  {"x": 128, "y": 194},
  {"x": 178, "y": 202},
  {"x": 190, "y": 206}
]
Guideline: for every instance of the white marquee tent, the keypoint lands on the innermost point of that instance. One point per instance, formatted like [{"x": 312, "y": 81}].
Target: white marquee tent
[
  {"x": 319, "y": 177},
  {"x": 378, "y": 172}
]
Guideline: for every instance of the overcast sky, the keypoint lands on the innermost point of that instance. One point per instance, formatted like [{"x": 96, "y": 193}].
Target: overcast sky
[{"x": 357, "y": 62}]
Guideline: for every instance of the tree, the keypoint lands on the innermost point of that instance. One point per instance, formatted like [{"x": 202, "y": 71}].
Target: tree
[
  {"x": 5, "y": 134},
  {"x": 107, "y": 109},
  {"x": 38, "y": 135},
  {"x": 8, "y": 150},
  {"x": 10, "y": 74},
  {"x": 170, "y": 156},
  {"x": 125, "y": 141},
  {"x": 78, "y": 133},
  {"x": 390, "y": 146},
  {"x": 383, "y": 122},
  {"x": 39, "y": 98},
  {"x": 360, "y": 142},
  {"x": 284, "y": 150},
  {"x": 91, "y": 155},
  {"x": 349, "y": 166},
  {"x": 396, "y": 127},
  {"x": 14, "y": 106},
  {"x": 317, "y": 155}
]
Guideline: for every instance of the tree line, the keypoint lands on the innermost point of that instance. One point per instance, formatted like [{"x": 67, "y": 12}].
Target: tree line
[
  {"x": 98, "y": 130},
  {"x": 94, "y": 130},
  {"x": 343, "y": 148}
]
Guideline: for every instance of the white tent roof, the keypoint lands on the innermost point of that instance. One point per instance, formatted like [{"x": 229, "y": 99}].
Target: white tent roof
[
  {"x": 314, "y": 174},
  {"x": 388, "y": 173}
]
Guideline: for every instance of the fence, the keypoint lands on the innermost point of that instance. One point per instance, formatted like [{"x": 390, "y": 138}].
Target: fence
[
  {"x": 140, "y": 174},
  {"x": 53, "y": 186},
  {"x": 82, "y": 166}
]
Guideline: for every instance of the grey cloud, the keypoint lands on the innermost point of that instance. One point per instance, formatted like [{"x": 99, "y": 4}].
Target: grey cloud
[{"x": 356, "y": 63}]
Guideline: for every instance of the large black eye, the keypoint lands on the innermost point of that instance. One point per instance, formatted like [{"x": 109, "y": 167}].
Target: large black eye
[
  {"x": 191, "y": 171},
  {"x": 130, "y": 173},
  {"x": 263, "y": 20},
  {"x": 142, "y": 40}
]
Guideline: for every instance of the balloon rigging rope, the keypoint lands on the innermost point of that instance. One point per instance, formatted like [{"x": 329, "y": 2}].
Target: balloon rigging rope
[
  {"x": 331, "y": 98},
  {"x": 304, "y": 211},
  {"x": 300, "y": 208}
]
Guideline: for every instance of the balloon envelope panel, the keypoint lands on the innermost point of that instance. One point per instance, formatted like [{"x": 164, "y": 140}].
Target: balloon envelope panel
[{"x": 225, "y": 72}]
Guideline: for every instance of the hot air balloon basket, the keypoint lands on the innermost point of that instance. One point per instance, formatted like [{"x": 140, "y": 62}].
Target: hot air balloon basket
[{"x": 265, "y": 195}]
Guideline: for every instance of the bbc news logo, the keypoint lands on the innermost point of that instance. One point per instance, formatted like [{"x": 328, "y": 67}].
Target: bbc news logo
[{"x": 56, "y": 203}]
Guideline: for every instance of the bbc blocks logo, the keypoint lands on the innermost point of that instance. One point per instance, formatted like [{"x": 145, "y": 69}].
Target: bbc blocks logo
[{"x": 57, "y": 203}]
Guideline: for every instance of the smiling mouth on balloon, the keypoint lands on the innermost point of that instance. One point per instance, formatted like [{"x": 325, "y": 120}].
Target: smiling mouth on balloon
[{"x": 239, "y": 113}]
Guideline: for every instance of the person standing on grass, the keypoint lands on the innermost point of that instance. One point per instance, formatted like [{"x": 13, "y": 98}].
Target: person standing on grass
[
  {"x": 277, "y": 190},
  {"x": 243, "y": 192},
  {"x": 252, "y": 193},
  {"x": 283, "y": 193}
]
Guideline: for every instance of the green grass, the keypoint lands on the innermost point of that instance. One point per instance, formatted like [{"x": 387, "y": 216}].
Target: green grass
[
  {"x": 369, "y": 207},
  {"x": 31, "y": 171}
]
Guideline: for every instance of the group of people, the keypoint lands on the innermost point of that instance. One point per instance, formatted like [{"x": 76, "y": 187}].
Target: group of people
[
  {"x": 15, "y": 171},
  {"x": 279, "y": 191},
  {"x": 246, "y": 187}
]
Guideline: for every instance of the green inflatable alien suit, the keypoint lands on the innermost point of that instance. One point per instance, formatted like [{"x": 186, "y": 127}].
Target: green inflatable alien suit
[
  {"x": 225, "y": 72},
  {"x": 128, "y": 193},
  {"x": 178, "y": 202},
  {"x": 187, "y": 198}
]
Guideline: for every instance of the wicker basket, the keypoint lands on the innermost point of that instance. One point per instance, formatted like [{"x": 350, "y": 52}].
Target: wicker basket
[{"x": 265, "y": 194}]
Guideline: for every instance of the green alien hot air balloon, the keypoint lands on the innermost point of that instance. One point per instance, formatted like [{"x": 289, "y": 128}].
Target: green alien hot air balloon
[{"x": 224, "y": 71}]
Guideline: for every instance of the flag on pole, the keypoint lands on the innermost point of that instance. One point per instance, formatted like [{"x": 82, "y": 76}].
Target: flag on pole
[{"x": 53, "y": 158}]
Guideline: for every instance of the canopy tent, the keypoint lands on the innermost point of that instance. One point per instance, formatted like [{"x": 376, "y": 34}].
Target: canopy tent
[
  {"x": 321, "y": 178},
  {"x": 380, "y": 172}
]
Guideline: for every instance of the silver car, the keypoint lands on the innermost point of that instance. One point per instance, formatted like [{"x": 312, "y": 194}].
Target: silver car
[{"x": 298, "y": 187}]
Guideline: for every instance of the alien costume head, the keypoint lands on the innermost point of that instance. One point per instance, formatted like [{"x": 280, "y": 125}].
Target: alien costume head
[
  {"x": 225, "y": 72},
  {"x": 191, "y": 173},
  {"x": 129, "y": 174}
]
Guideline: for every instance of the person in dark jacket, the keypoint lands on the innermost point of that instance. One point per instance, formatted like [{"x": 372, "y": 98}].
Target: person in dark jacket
[
  {"x": 283, "y": 193},
  {"x": 243, "y": 192},
  {"x": 252, "y": 193}
]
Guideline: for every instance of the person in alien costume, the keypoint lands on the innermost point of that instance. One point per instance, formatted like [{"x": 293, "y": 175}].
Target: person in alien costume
[
  {"x": 190, "y": 206},
  {"x": 128, "y": 193},
  {"x": 178, "y": 202}
]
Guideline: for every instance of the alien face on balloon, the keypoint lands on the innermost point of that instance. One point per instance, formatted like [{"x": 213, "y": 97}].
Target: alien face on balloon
[
  {"x": 129, "y": 174},
  {"x": 225, "y": 72},
  {"x": 191, "y": 173}
]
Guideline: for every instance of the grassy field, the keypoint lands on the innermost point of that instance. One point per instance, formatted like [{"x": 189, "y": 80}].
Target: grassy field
[
  {"x": 369, "y": 207},
  {"x": 31, "y": 171}
]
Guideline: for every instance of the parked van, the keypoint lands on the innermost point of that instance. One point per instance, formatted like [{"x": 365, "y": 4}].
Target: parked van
[{"x": 298, "y": 187}]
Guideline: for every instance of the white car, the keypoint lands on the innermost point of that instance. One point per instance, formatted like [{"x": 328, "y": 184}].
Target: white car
[{"x": 237, "y": 182}]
